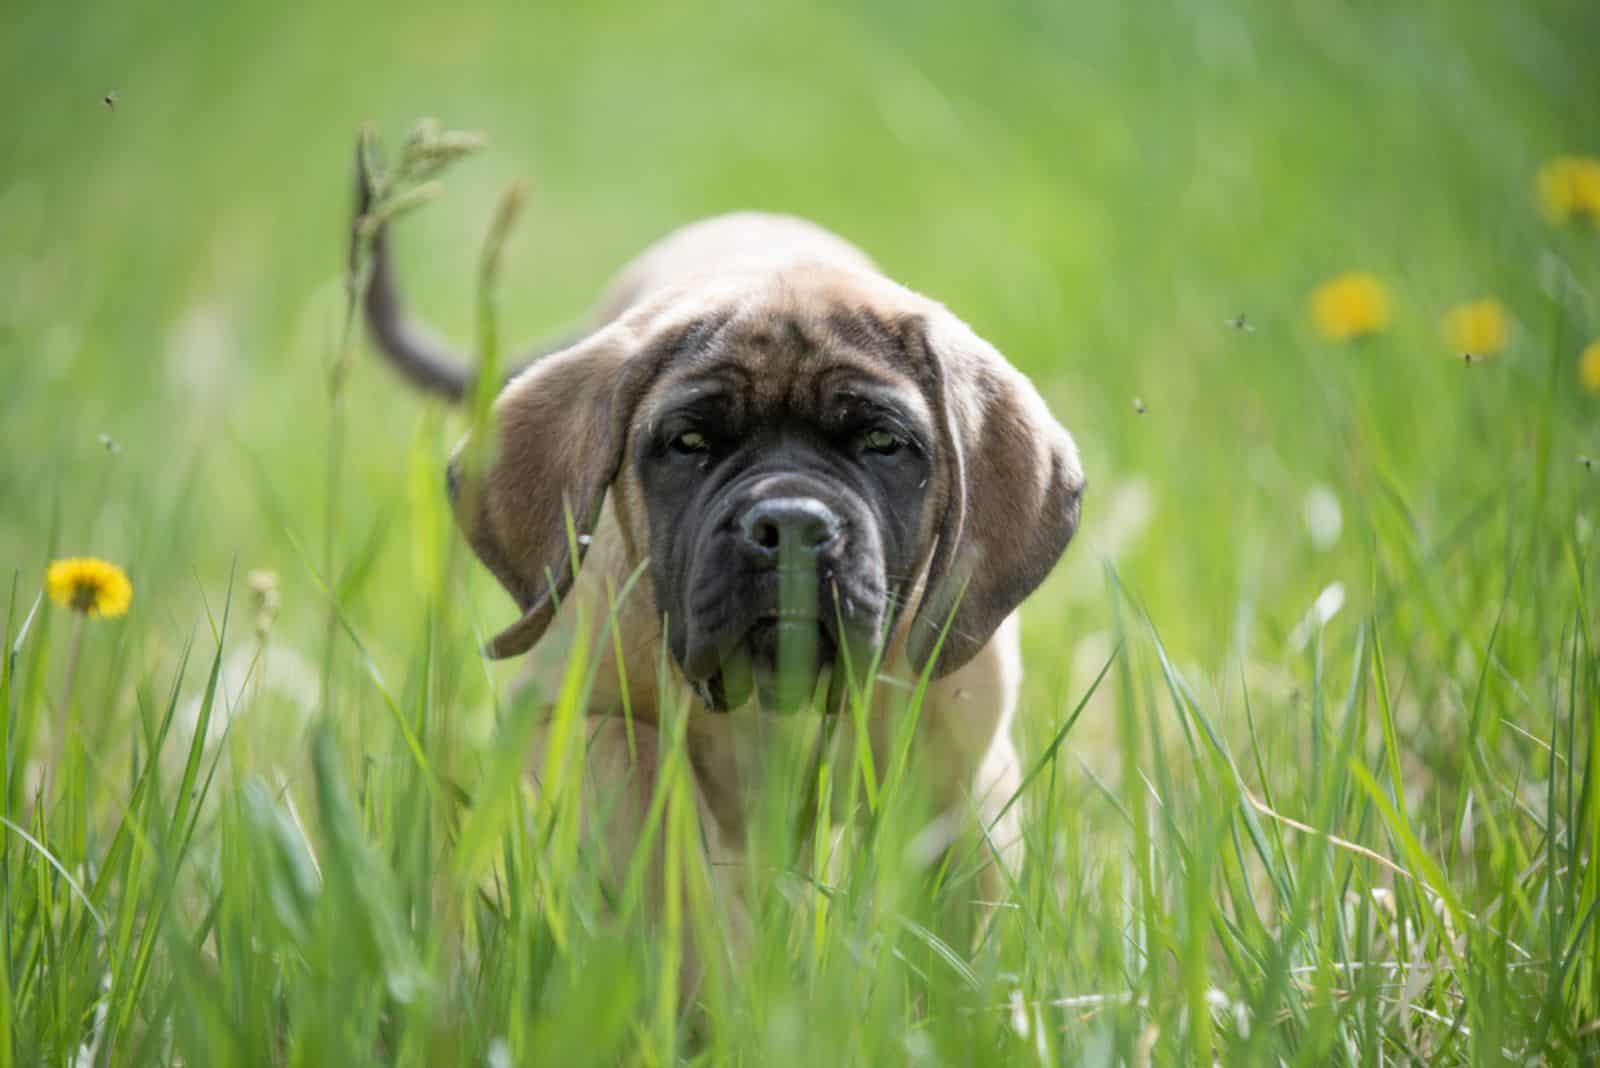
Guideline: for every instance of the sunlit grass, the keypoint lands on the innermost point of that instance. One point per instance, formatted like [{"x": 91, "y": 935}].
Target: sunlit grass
[
  {"x": 1312, "y": 889},
  {"x": 1310, "y": 723}
]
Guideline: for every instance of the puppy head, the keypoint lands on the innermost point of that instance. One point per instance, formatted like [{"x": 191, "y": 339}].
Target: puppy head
[{"x": 811, "y": 456}]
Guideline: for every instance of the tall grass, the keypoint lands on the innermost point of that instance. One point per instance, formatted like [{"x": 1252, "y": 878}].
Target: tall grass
[
  {"x": 1391, "y": 863},
  {"x": 1258, "y": 830}
]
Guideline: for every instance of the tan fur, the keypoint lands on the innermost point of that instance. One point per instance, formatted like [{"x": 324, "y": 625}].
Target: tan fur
[{"x": 1001, "y": 507}]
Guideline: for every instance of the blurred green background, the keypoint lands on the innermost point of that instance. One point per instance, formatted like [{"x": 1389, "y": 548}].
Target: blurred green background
[
  {"x": 1095, "y": 187},
  {"x": 1098, "y": 189}
]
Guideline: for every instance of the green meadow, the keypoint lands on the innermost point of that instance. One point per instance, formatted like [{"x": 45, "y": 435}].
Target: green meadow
[{"x": 1312, "y": 709}]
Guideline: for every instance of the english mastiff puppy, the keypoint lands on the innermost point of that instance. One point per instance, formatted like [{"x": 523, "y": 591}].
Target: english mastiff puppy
[{"x": 809, "y": 467}]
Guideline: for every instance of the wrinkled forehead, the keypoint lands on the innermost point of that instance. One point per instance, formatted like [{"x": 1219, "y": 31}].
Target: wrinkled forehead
[{"x": 771, "y": 363}]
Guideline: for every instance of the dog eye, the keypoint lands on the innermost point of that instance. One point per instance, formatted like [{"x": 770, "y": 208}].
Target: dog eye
[
  {"x": 883, "y": 442},
  {"x": 690, "y": 441}
]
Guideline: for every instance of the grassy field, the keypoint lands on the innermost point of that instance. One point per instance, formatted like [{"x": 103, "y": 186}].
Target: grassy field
[{"x": 1313, "y": 704}]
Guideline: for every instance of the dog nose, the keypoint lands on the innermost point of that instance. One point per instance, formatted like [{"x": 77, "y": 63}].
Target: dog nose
[{"x": 788, "y": 524}]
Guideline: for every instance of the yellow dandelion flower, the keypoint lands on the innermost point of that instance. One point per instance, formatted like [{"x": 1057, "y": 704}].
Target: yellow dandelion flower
[
  {"x": 1589, "y": 367},
  {"x": 1477, "y": 328},
  {"x": 93, "y": 587},
  {"x": 1350, "y": 306},
  {"x": 1569, "y": 188}
]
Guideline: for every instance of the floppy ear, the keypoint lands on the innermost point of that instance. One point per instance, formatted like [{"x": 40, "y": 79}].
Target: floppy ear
[
  {"x": 1015, "y": 483},
  {"x": 561, "y": 426}
]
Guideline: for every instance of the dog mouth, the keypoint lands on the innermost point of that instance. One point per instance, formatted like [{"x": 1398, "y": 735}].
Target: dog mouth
[
  {"x": 776, "y": 636},
  {"x": 778, "y": 661}
]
